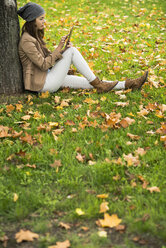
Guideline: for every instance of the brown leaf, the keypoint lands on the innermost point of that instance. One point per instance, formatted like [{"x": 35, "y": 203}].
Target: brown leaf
[
  {"x": 110, "y": 221},
  {"x": 56, "y": 164},
  {"x": 126, "y": 122},
  {"x": 25, "y": 236},
  {"x": 153, "y": 189},
  {"x": 64, "y": 225},
  {"x": 133, "y": 137},
  {"x": 57, "y": 99},
  {"x": 27, "y": 138},
  {"x": 80, "y": 158},
  {"x": 70, "y": 123},
  {"x": 120, "y": 228},
  {"x": 64, "y": 244},
  {"x": 9, "y": 108},
  {"x": 4, "y": 132}
]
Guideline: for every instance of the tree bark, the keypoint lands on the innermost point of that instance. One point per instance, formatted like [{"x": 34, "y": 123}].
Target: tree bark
[{"x": 10, "y": 67}]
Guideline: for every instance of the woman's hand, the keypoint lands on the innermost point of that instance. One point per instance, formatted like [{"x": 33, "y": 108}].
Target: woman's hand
[
  {"x": 61, "y": 43},
  {"x": 67, "y": 46}
]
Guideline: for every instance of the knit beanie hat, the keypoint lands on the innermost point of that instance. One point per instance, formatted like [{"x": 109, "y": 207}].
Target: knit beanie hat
[{"x": 30, "y": 11}]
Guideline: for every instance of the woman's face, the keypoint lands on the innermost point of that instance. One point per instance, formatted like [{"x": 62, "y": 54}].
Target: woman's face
[{"x": 40, "y": 21}]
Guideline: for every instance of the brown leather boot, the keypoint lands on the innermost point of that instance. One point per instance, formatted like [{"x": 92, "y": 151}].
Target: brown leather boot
[
  {"x": 136, "y": 84},
  {"x": 103, "y": 86}
]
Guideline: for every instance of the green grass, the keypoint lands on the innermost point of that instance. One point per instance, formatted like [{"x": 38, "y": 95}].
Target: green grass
[{"x": 128, "y": 34}]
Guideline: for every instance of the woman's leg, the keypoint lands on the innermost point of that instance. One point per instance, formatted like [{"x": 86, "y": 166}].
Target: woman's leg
[{"x": 56, "y": 76}]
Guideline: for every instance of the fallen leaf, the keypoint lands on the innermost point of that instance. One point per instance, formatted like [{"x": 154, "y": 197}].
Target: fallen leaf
[
  {"x": 44, "y": 94},
  {"x": 79, "y": 211},
  {"x": 104, "y": 207},
  {"x": 15, "y": 198},
  {"x": 120, "y": 228},
  {"x": 70, "y": 123},
  {"x": 122, "y": 104},
  {"x": 153, "y": 189},
  {"x": 57, "y": 163},
  {"x": 102, "y": 234},
  {"x": 64, "y": 244},
  {"x": 26, "y": 117},
  {"x": 9, "y": 108},
  {"x": 131, "y": 160},
  {"x": 80, "y": 158},
  {"x": 110, "y": 221},
  {"x": 102, "y": 196},
  {"x": 25, "y": 236},
  {"x": 64, "y": 225},
  {"x": 133, "y": 137},
  {"x": 140, "y": 151},
  {"x": 125, "y": 122}
]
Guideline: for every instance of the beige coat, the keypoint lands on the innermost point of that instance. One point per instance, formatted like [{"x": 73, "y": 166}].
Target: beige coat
[{"x": 35, "y": 64}]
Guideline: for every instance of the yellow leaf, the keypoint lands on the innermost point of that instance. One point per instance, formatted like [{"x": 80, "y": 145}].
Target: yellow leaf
[
  {"x": 104, "y": 207},
  {"x": 19, "y": 107},
  {"x": 15, "y": 198},
  {"x": 110, "y": 221},
  {"x": 79, "y": 211},
  {"x": 102, "y": 234},
  {"x": 103, "y": 196},
  {"x": 45, "y": 94}
]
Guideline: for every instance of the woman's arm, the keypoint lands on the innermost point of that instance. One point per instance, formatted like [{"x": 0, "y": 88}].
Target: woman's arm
[{"x": 32, "y": 52}]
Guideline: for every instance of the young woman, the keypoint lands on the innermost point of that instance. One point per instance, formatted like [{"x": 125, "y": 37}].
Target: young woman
[{"x": 48, "y": 71}]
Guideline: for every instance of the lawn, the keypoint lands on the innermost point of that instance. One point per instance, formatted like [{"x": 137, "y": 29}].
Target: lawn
[{"x": 85, "y": 170}]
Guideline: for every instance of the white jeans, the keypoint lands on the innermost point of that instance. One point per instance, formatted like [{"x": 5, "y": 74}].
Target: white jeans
[{"x": 57, "y": 77}]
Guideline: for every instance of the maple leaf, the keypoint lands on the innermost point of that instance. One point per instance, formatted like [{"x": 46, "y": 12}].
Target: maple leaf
[
  {"x": 64, "y": 244},
  {"x": 25, "y": 236},
  {"x": 19, "y": 107},
  {"x": 153, "y": 189},
  {"x": 131, "y": 160},
  {"x": 143, "y": 112},
  {"x": 133, "y": 137},
  {"x": 9, "y": 108},
  {"x": 109, "y": 221},
  {"x": 104, "y": 207},
  {"x": 57, "y": 163}
]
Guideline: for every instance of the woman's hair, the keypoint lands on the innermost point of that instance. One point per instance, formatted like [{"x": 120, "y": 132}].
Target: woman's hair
[{"x": 30, "y": 27}]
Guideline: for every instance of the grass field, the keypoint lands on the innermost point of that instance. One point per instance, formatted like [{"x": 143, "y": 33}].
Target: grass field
[{"x": 70, "y": 158}]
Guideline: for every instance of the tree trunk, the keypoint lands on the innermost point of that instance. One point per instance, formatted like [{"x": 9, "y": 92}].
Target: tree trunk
[{"x": 10, "y": 68}]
